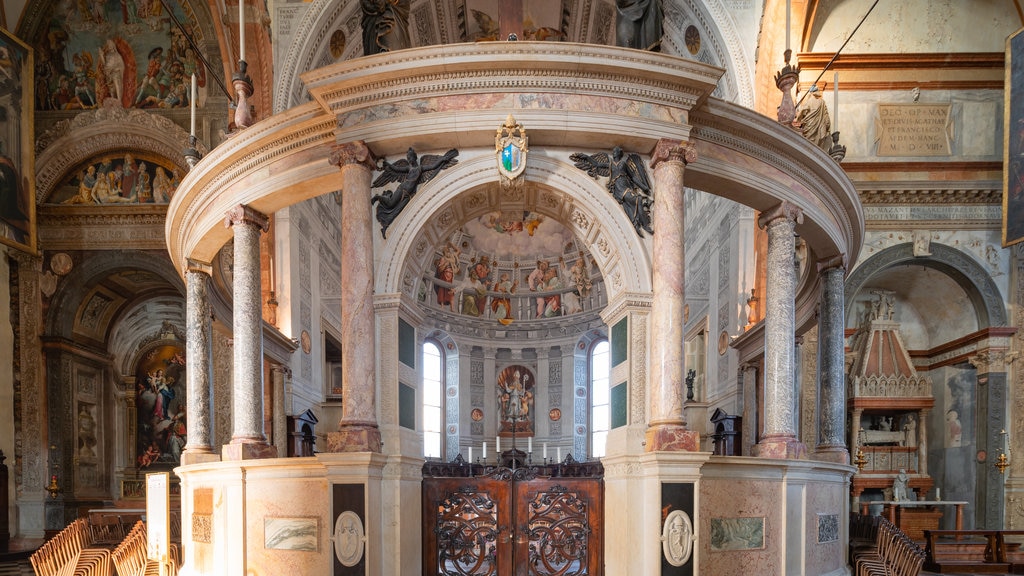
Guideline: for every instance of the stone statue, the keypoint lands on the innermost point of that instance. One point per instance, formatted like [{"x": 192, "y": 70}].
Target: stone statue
[
  {"x": 899, "y": 486},
  {"x": 638, "y": 24},
  {"x": 627, "y": 182},
  {"x": 385, "y": 26},
  {"x": 812, "y": 120},
  {"x": 409, "y": 173}
]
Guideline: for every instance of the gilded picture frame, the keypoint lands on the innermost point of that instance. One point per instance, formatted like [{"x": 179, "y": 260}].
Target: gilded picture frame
[
  {"x": 1013, "y": 141},
  {"x": 17, "y": 170}
]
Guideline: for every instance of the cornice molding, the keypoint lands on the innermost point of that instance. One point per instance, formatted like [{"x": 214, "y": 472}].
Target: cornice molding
[{"x": 937, "y": 60}]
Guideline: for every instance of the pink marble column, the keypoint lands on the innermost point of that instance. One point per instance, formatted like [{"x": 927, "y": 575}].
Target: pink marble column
[
  {"x": 779, "y": 440},
  {"x": 357, "y": 431},
  {"x": 248, "y": 440},
  {"x": 831, "y": 363},
  {"x": 666, "y": 430},
  {"x": 199, "y": 368}
]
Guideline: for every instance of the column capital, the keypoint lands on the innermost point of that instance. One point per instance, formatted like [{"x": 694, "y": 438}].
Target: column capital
[
  {"x": 989, "y": 360},
  {"x": 667, "y": 150},
  {"x": 831, "y": 263},
  {"x": 198, "y": 267},
  {"x": 353, "y": 153},
  {"x": 244, "y": 214},
  {"x": 786, "y": 210}
]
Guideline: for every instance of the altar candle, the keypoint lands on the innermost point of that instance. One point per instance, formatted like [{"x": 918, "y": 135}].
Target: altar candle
[
  {"x": 485, "y": 452},
  {"x": 529, "y": 444},
  {"x": 558, "y": 453},
  {"x": 835, "y": 102},
  {"x": 471, "y": 454},
  {"x": 545, "y": 450},
  {"x": 789, "y": 9},
  {"x": 937, "y": 497},
  {"x": 192, "y": 105},
  {"x": 497, "y": 444},
  {"x": 241, "y": 30}
]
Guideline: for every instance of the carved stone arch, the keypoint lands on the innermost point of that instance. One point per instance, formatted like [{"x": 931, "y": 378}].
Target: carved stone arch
[
  {"x": 77, "y": 284},
  {"x": 581, "y": 394},
  {"x": 582, "y": 204},
  {"x": 71, "y": 142},
  {"x": 961, "y": 267},
  {"x": 309, "y": 48}
]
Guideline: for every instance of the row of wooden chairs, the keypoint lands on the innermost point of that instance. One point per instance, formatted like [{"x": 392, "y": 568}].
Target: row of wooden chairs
[
  {"x": 893, "y": 554},
  {"x": 69, "y": 554},
  {"x": 130, "y": 557}
]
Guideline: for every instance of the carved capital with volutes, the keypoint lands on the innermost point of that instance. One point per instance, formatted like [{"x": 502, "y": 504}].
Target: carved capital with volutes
[
  {"x": 988, "y": 361},
  {"x": 832, "y": 262},
  {"x": 786, "y": 210},
  {"x": 243, "y": 214},
  {"x": 195, "y": 266},
  {"x": 668, "y": 150},
  {"x": 353, "y": 153}
]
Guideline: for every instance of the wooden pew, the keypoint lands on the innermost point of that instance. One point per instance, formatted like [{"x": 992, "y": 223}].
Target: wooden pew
[{"x": 971, "y": 551}]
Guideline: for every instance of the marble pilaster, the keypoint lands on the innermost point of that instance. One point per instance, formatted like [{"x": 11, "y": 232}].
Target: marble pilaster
[
  {"x": 667, "y": 429},
  {"x": 358, "y": 430},
  {"x": 991, "y": 373},
  {"x": 779, "y": 439},
  {"x": 831, "y": 357},
  {"x": 248, "y": 439},
  {"x": 199, "y": 368}
]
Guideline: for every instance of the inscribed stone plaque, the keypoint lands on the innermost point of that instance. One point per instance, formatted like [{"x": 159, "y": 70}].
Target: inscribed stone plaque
[{"x": 914, "y": 130}]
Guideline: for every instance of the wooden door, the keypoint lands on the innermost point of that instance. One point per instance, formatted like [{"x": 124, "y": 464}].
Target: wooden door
[
  {"x": 559, "y": 527},
  {"x": 467, "y": 527}
]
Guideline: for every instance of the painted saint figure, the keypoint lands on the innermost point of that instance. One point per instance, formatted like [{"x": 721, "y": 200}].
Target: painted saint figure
[{"x": 445, "y": 269}]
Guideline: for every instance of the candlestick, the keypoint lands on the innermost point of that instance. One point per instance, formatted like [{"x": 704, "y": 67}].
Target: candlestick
[
  {"x": 241, "y": 30},
  {"x": 545, "y": 450},
  {"x": 529, "y": 444},
  {"x": 835, "y": 102},
  {"x": 789, "y": 9},
  {"x": 485, "y": 452},
  {"x": 192, "y": 105}
]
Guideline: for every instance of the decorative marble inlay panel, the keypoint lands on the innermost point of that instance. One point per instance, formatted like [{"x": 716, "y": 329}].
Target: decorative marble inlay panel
[
  {"x": 202, "y": 528},
  {"x": 828, "y": 528}
]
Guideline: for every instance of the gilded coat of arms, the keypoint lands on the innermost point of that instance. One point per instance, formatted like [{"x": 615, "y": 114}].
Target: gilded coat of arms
[{"x": 510, "y": 148}]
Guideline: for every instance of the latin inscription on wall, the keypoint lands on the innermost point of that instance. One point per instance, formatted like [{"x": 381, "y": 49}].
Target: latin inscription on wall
[{"x": 914, "y": 130}]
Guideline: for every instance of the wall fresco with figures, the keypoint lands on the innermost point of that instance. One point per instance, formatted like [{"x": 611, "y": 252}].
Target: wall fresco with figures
[
  {"x": 119, "y": 178},
  {"x": 122, "y": 52}
]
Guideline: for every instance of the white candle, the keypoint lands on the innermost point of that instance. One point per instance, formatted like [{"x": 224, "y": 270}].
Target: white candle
[
  {"x": 192, "y": 105},
  {"x": 485, "y": 452},
  {"x": 272, "y": 274},
  {"x": 497, "y": 444},
  {"x": 558, "y": 454},
  {"x": 529, "y": 444},
  {"x": 788, "y": 10},
  {"x": 835, "y": 102},
  {"x": 937, "y": 494},
  {"x": 241, "y": 30},
  {"x": 545, "y": 450},
  {"x": 471, "y": 454}
]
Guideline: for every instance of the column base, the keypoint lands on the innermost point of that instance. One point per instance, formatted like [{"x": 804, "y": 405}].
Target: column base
[
  {"x": 836, "y": 454},
  {"x": 248, "y": 451},
  {"x": 671, "y": 438},
  {"x": 354, "y": 438},
  {"x": 198, "y": 457},
  {"x": 781, "y": 447}
]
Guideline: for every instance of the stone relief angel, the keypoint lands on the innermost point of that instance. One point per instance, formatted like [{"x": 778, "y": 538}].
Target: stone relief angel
[
  {"x": 409, "y": 173},
  {"x": 627, "y": 182}
]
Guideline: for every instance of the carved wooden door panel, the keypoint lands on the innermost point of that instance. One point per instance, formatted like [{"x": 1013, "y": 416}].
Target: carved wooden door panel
[
  {"x": 559, "y": 527},
  {"x": 467, "y": 528}
]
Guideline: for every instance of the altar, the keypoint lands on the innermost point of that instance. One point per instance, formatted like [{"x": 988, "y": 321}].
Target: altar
[{"x": 913, "y": 517}]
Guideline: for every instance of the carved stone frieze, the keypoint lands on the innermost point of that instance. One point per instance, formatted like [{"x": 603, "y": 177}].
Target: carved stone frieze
[{"x": 930, "y": 195}]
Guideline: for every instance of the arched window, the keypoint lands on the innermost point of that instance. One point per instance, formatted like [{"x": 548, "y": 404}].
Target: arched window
[
  {"x": 600, "y": 407},
  {"x": 433, "y": 400}
]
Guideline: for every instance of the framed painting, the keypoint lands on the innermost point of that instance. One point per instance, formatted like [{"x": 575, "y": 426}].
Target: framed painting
[
  {"x": 1013, "y": 141},
  {"x": 17, "y": 182}
]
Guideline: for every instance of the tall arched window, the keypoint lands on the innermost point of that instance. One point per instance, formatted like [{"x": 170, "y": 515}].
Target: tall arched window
[
  {"x": 600, "y": 407},
  {"x": 433, "y": 400}
]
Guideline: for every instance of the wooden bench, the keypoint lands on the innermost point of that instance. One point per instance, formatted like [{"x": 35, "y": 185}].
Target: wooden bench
[{"x": 971, "y": 551}]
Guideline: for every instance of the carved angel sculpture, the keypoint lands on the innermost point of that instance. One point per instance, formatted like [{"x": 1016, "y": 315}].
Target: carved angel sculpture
[
  {"x": 627, "y": 182},
  {"x": 409, "y": 173}
]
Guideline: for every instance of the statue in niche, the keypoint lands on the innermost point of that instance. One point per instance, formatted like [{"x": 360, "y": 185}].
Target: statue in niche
[
  {"x": 812, "y": 120},
  {"x": 385, "y": 25},
  {"x": 627, "y": 182},
  {"x": 899, "y": 486},
  {"x": 409, "y": 173},
  {"x": 638, "y": 24}
]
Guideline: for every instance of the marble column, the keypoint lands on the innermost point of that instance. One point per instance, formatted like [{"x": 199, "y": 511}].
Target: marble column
[
  {"x": 831, "y": 363},
  {"x": 779, "y": 439},
  {"x": 358, "y": 430},
  {"x": 248, "y": 440},
  {"x": 666, "y": 430},
  {"x": 199, "y": 369}
]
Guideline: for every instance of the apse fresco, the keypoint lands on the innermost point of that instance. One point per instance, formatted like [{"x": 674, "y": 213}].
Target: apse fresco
[
  {"x": 126, "y": 53},
  {"x": 118, "y": 178},
  {"x": 509, "y": 266},
  {"x": 160, "y": 407},
  {"x": 541, "y": 20}
]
